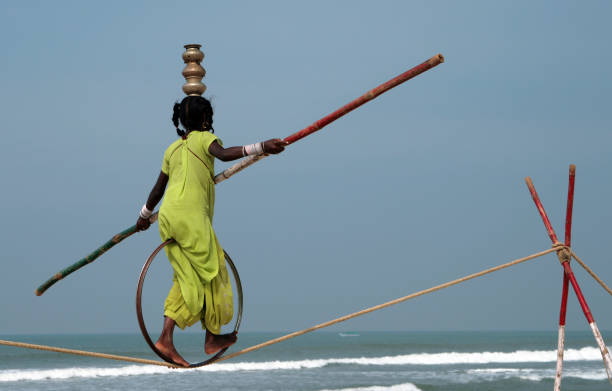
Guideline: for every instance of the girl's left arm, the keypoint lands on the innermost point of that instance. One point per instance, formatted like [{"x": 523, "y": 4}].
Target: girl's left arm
[
  {"x": 156, "y": 195},
  {"x": 272, "y": 146},
  {"x": 225, "y": 154}
]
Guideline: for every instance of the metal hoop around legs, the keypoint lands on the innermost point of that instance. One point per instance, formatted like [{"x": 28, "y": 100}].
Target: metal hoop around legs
[{"x": 141, "y": 322}]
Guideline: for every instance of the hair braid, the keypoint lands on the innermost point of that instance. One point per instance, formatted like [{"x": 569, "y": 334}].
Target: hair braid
[
  {"x": 175, "y": 119},
  {"x": 208, "y": 115}
]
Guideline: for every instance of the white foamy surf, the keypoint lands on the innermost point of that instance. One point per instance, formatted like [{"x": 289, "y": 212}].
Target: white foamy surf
[
  {"x": 446, "y": 358},
  {"x": 348, "y": 335},
  {"x": 449, "y": 358},
  {"x": 395, "y": 387},
  {"x": 493, "y": 374}
]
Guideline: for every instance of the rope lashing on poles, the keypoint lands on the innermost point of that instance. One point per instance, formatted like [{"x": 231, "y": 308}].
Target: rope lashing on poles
[
  {"x": 294, "y": 334},
  {"x": 569, "y": 278},
  {"x": 565, "y": 253}
]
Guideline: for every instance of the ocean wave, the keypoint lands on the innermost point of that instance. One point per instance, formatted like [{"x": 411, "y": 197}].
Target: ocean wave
[
  {"x": 432, "y": 359},
  {"x": 13, "y": 375},
  {"x": 493, "y": 374},
  {"x": 348, "y": 334},
  {"x": 450, "y": 358},
  {"x": 395, "y": 387}
]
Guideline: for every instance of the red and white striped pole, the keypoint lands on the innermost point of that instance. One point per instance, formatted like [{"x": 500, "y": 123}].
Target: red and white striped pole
[
  {"x": 564, "y": 258},
  {"x": 561, "y": 337},
  {"x": 562, "y": 312}
]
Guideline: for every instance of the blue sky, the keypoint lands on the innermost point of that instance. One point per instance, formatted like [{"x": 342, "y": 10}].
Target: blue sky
[{"x": 421, "y": 186}]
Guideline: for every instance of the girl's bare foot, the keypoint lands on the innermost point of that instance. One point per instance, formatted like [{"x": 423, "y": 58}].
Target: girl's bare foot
[
  {"x": 169, "y": 351},
  {"x": 213, "y": 343}
]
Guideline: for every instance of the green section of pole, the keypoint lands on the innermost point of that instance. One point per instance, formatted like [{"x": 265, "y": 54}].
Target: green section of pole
[{"x": 91, "y": 257}]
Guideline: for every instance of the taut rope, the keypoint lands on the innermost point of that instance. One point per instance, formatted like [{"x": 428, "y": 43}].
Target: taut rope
[
  {"x": 387, "y": 304},
  {"x": 555, "y": 248},
  {"x": 591, "y": 272},
  {"x": 84, "y": 353}
]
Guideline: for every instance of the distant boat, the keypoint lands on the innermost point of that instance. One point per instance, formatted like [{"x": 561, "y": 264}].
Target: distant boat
[{"x": 348, "y": 334}]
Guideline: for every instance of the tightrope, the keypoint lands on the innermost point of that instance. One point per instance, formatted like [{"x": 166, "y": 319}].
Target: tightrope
[
  {"x": 85, "y": 353},
  {"x": 294, "y": 334},
  {"x": 385, "y": 305}
]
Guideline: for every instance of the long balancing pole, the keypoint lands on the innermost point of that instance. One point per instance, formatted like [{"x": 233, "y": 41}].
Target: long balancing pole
[
  {"x": 97, "y": 253},
  {"x": 570, "y": 275},
  {"x": 563, "y": 310},
  {"x": 368, "y": 96},
  {"x": 192, "y": 57}
]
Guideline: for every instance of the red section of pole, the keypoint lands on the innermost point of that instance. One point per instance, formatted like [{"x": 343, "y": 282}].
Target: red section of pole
[
  {"x": 569, "y": 275},
  {"x": 583, "y": 303},
  {"x": 368, "y": 96},
  {"x": 564, "y": 300},
  {"x": 536, "y": 199},
  {"x": 570, "y": 205},
  {"x": 566, "y": 266},
  {"x": 568, "y": 239}
]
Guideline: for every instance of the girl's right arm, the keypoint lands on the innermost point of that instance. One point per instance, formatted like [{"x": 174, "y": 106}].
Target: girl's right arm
[
  {"x": 272, "y": 146},
  {"x": 154, "y": 197}
]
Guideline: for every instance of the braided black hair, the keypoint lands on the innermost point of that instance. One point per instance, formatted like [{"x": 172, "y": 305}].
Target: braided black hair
[
  {"x": 175, "y": 119},
  {"x": 195, "y": 113}
]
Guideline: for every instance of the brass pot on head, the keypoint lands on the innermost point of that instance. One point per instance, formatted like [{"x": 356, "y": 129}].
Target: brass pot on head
[{"x": 193, "y": 72}]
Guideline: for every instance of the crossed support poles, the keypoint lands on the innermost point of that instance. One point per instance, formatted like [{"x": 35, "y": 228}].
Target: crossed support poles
[{"x": 565, "y": 254}]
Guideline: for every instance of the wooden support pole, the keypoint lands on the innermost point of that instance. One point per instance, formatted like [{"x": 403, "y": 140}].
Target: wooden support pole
[
  {"x": 545, "y": 220},
  {"x": 570, "y": 205},
  {"x": 572, "y": 279},
  {"x": 561, "y": 334},
  {"x": 566, "y": 267},
  {"x": 563, "y": 310}
]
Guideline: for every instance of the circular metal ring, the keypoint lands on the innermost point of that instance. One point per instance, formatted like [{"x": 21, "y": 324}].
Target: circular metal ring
[{"x": 141, "y": 322}]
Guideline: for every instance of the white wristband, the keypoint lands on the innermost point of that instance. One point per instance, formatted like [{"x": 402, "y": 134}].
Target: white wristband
[
  {"x": 254, "y": 149},
  {"x": 145, "y": 213}
]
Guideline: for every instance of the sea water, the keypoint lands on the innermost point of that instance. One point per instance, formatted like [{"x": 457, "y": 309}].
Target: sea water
[{"x": 343, "y": 361}]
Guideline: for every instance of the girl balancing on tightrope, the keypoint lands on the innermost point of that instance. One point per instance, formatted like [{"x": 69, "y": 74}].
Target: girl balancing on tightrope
[{"x": 201, "y": 289}]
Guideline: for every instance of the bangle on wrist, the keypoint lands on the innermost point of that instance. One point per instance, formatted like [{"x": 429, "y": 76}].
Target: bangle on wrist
[
  {"x": 253, "y": 149},
  {"x": 145, "y": 213}
]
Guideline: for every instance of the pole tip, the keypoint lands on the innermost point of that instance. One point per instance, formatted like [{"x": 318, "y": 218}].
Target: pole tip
[
  {"x": 38, "y": 293},
  {"x": 572, "y": 169},
  {"x": 440, "y": 57}
]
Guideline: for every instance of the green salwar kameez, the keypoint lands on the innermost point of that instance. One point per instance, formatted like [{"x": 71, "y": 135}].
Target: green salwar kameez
[{"x": 201, "y": 280}]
